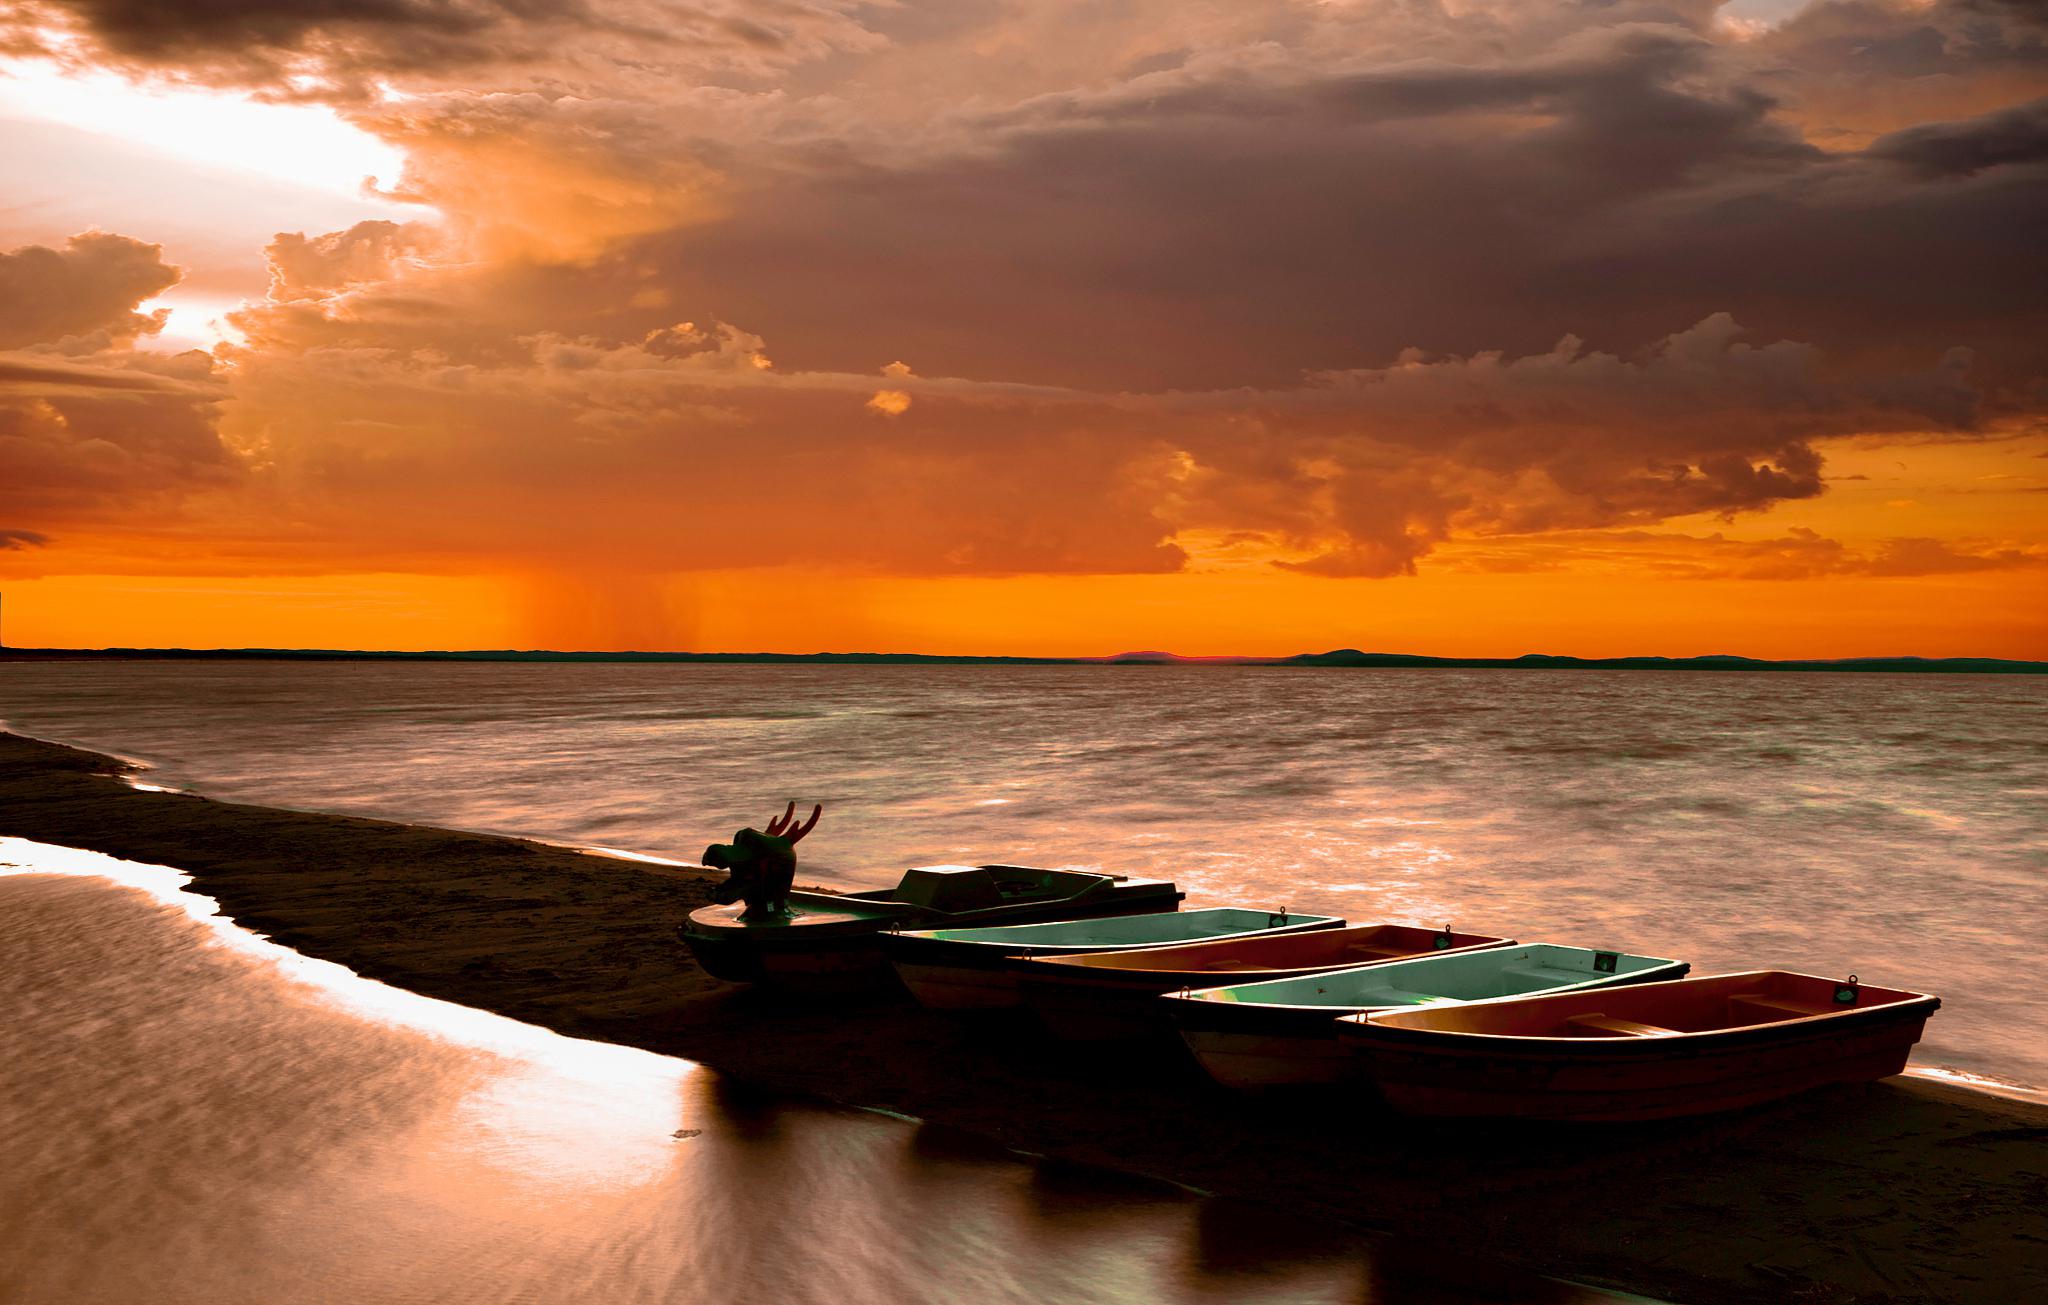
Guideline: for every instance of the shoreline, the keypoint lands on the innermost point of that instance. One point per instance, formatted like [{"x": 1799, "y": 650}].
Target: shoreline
[{"x": 1908, "y": 1189}]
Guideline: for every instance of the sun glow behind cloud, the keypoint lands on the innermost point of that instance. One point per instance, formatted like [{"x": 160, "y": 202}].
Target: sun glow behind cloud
[
  {"x": 306, "y": 145},
  {"x": 196, "y": 321}
]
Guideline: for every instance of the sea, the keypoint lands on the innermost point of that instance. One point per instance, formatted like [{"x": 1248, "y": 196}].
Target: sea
[
  {"x": 166, "y": 1077},
  {"x": 1892, "y": 826}
]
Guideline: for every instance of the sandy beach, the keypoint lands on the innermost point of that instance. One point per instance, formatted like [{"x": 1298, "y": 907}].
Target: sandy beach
[{"x": 1904, "y": 1190}]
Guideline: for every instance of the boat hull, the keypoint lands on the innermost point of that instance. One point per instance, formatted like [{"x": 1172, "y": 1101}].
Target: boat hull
[
  {"x": 1617, "y": 1087},
  {"x": 1663, "y": 1075},
  {"x": 803, "y": 962},
  {"x": 1249, "y": 1061},
  {"x": 1255, "y": 1048},
  {"x": 959, "y": 986}
]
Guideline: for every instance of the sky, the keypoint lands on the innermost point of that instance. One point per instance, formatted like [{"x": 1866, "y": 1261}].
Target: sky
[{"x": 1467, "y": 327}]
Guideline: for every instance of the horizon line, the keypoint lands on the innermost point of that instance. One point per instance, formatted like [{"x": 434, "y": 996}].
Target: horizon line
[{"x": 1341, "y": 658}]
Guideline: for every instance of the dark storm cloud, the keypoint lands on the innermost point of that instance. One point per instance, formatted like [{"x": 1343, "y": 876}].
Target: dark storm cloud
[
  {"x": 22, "y": 539},
  {"x": 1250, "y": 224},
  {"x": 2010, "y": 137},
  {"x": 258, "y": 40},
  {"x": 345, "y": 48}
]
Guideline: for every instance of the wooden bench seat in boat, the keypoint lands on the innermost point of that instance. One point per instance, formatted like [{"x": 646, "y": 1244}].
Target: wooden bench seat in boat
[
  {"x": 1773, "y": 1006},
  {"x": 1623, "y": 1028},
  {"x": 1402, "y": 997},
  {"x": 1548, "y": 976}
]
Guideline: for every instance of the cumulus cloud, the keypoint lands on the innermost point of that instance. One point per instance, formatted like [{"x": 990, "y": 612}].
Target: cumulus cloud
[
  {"x": 365, "y": 254},
  {"x": 552, "y": 176},
  {"x": 1856, "y": 69},
  {"x": 91, "y": 429},
  {"x": 90, "y": 286},
  {"x": 1354, "y": 472},
  {"x": 125, "y": 450}
]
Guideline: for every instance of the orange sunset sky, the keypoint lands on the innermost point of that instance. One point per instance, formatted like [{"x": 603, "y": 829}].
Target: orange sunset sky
[{"x": 1027, "y": 326}]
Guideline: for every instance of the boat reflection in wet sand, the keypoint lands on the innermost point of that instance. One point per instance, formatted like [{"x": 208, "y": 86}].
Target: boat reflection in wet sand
[
  {"x": 827, "y": 941},
  {"x": 975, "y": 969},
  {"x": 1652, "y": 1051},
  {"x": 1283, "y": 1033},
  {"x": 1116, "y": 995}
]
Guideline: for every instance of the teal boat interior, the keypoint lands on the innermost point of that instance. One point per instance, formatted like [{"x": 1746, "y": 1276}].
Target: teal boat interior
[
  {"x": 1134, "y": 930},
  {"x": 1515, "y": 971}
]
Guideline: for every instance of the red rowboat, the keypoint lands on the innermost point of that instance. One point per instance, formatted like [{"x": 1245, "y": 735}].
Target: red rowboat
[
  {"x": 1652, "y": 1051},
  {"x": 1108, "y": 995}
]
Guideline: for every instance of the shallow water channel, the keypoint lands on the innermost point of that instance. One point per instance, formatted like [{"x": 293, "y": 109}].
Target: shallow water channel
[{"x": 191, "y": 1113}]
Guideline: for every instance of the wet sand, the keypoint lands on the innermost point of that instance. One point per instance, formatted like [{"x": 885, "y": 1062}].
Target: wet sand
[{"x": 1903, "y": 1190}]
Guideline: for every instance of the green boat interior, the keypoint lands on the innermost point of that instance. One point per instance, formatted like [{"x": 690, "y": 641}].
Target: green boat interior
[
  {"x": 1134, "y": 930},
  {"x": 1464, "y": 976}
]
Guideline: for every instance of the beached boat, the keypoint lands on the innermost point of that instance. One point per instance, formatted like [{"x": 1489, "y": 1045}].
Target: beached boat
[
  {"x": 828, "y": 940},
  {"x": 965, "y": 969},
  {"x": 1116, "y": 995},
  {"x": 1650, "y": 1051},
  {"x": 1283, "y": 1032}
]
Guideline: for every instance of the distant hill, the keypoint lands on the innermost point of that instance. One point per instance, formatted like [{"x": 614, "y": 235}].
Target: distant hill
[
  {"x": 1174, "y": 659},
  {"x": 1708, "y": 662},
  {"x": 1341, "y": 658}
]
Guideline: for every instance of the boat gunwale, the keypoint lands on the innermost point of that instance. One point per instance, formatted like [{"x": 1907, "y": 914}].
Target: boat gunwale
[
  {"x": 1196, "y": 1001},
  {"x": 1076, "y": 972}
]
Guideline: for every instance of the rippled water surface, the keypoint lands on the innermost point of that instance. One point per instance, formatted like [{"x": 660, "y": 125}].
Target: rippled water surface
[
  {"x": 1891, "y": 825},
  {"x": 191, "y": 1114}
]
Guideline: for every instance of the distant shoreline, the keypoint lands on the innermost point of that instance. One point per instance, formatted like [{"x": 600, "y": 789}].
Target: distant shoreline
[{"x": 1340, "y": 659}]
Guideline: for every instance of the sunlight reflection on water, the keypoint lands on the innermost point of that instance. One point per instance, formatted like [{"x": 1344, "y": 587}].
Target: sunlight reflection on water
[{"x": 532, "y": 1108}]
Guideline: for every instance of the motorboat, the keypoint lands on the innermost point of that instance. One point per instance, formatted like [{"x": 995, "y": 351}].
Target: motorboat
[{"x": 829, "y": 941}]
